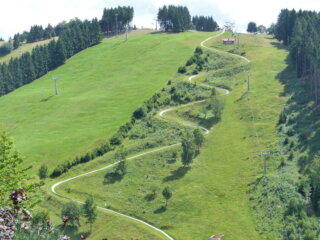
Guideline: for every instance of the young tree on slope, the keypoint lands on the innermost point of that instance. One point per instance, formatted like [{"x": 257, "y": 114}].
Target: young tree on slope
[
  {"x": 188, "y": 150},
  {"x": 72, "y": 211},
  {"x": 90, "y": 211},
  {"x": 167, "y": 194},
  {"x": 12, "y": 175}
]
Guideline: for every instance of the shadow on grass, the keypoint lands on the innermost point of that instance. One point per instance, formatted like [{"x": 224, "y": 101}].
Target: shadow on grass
[
  {"x": 209, "y": 122},
  {"x": 160, "y": 210},
  {"x": 279, "y": 45},
  {"x": 46, "y": 99},
  {"x": 72, "y": 232},
  {"x": 243, "y": 96},
  {"x": 162, "y": 32},
  {"x": 150, "y": 197},
  {"x": 171, "y": 161},
  {"x": 177, "y": 174},
  {"x": 112, "y": 177}
]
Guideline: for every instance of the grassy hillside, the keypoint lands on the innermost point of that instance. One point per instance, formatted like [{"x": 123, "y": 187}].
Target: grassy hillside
[
  {"x": 99, "y": 89},
  {"x": 211, "y": 196},
  {"x": 22, "y": 49}
]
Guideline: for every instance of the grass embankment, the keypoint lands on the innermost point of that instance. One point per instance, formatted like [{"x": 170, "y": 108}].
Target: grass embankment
[
  {"x": 212, "y": 196},
  {"x": 99, "y": 89},
  {"x": 22, "y": 49}
]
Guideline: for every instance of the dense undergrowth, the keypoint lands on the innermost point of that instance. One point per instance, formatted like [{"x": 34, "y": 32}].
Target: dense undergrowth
[{"x": 287, "y": 201}]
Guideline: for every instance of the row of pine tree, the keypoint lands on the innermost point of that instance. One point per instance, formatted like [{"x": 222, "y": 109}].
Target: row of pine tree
[
  {"x": 174, "y": 18},
  {"x": 300, "y": 31},
  {"x": 178, "y": 19},
  {"x": 202, "y": 23},
  {"x": 111, "y": 19},
  {"x": 74, "y": 37},
  {"x": 116, "y": 19}
]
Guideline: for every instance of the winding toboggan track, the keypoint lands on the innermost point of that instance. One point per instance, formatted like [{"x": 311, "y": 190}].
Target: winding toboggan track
[{"x": 161, "y": 114}]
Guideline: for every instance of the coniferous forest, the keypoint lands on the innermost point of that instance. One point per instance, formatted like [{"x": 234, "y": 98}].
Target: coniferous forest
[
  {"x": 74, "y": 36},
  {"x": 36, "y": 33},
  {"x": 116, "y": 19},
  {"x": 174, "y": 18},
  {"x": 300, "y": 31},
  {"x": 202, "y": 23}
]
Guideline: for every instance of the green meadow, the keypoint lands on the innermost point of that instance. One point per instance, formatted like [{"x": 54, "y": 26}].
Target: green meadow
[{"x": 99, "y": 89}]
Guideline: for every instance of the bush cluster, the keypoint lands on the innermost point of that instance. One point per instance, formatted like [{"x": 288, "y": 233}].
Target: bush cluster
[{"x": 197, "y": 59}]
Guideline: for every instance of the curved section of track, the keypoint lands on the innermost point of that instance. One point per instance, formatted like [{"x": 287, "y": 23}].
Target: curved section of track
[
  {"x": 53, "y": 188},
  {"x": 202, "y": 45},
  {"x": 206, "y": 130}
]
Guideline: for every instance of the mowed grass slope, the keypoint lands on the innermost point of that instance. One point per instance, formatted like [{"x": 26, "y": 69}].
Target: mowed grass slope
[
  {"x": 99, "y": 89},
  {"x": 213, "y": 195}
]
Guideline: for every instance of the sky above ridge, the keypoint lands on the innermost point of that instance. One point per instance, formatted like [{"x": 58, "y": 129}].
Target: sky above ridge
[{"x": 19, "y": 15}]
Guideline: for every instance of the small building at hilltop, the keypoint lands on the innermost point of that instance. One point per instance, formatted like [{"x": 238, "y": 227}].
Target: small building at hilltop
[{"x": 228, "y": 41}]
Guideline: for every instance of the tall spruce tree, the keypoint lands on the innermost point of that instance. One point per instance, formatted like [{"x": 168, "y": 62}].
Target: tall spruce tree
[
  {"x": 60, "y": 53},
  {"x": 174, "y": 18},
  {"x": 188, "y": 150},
  {"x": 113, "y": 18},
  {"x": 201, "y": 23}
]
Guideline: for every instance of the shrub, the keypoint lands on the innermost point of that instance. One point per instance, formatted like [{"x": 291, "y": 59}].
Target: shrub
[
  {"x": 290, "y": 132},
  {"x": 182, "y": 70},
  {"x": 116, "y": 140},
  {"x": 191, "y": 61},
  {"x": 286, "y": 141},
  {"x": 57, "y": 171},
  {"x": 199, "y": 68},
  {"x": 303, "y": 160},
  {"x": 195, "y": 72},
  {"x": 43, "y": 171},
  {"x": 85, "y": 158},
  {"x": 124, "y": 129},
  {"x": 103, "y": 149},
  {"x": 141, "y": 112},
  {"x": 72, "y": 211},
  {"x": 291, "y": 156},
  {"x": 282, "y": 118},
  {"x": 198, "y": 51}
]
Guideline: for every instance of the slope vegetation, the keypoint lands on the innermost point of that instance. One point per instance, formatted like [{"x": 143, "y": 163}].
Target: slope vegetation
[{"x": 211, "y": 196}]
